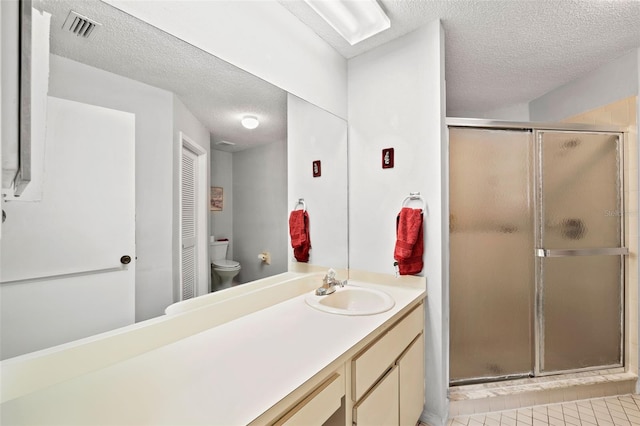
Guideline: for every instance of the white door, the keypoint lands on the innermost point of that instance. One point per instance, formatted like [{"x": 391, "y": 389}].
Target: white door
[
  {"x": 193, "y": 229},
  {"x": 188, "y": 223},
  {"x": 64, "y": 273}
]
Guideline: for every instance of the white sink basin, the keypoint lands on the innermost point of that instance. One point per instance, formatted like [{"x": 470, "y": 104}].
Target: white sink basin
[{"x": 352, "y": 301}]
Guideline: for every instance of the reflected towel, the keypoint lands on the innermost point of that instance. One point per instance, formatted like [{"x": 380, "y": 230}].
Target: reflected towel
[
  {"x": 409, "y": 242},
  {"x": 299, "y": 232}
]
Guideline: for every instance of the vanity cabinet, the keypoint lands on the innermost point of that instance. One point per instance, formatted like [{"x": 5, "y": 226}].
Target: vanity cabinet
[
  {"x": 388, "y": 375},
  {"x": 325, "y": 370},
  {"x": 380, "y": 383}
]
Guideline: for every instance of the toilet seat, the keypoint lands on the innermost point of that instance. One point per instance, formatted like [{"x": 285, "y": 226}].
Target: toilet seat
[{"x": 225, "y": 264}]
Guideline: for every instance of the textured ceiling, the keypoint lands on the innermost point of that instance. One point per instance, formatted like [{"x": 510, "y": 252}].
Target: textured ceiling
[
  {"x": 504, "y": 52},
  {"x": 217, "y": 93},
  {"x": 498, "y": 53}
]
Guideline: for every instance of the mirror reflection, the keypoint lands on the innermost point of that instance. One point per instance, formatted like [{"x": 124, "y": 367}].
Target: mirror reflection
[{"x": 145, "y": 174}]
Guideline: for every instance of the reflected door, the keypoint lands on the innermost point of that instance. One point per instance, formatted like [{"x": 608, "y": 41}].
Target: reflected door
[
  {"x": 579, "y": 260},
  {"x": 188, "y": 222}
]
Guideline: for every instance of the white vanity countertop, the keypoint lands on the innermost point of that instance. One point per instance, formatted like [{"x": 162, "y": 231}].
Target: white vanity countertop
[{"x": 226, "y": 375}]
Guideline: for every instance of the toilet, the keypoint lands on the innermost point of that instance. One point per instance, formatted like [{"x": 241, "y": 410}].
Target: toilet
[{"x": 223, "y": 270}]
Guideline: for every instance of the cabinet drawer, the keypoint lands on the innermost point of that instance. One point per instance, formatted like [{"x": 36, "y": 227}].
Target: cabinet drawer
[
  {"x": 316, "y": 408},
  {"x": 369, "y": 365}
]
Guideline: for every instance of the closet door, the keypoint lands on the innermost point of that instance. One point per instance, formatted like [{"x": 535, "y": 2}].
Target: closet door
[{"x": 189, "y": 267}]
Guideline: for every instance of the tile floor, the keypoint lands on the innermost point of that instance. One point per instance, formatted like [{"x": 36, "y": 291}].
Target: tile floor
[{"x": 623, "y": 410}]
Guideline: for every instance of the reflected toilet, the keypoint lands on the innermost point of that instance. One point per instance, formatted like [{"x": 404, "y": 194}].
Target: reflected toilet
[{"x": 224, "y": 270}]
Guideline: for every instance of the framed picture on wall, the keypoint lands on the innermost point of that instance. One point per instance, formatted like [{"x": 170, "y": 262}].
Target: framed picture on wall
[{"x": 216, "y": 199}]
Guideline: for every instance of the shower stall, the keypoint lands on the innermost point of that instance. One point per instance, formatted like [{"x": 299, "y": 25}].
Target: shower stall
[{"x": 537, "y": 249}]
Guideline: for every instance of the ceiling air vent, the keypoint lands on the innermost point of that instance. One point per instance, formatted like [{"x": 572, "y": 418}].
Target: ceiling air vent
[
  {"x": 225, "y": 143},
  {"x": 80, "y": 25}
]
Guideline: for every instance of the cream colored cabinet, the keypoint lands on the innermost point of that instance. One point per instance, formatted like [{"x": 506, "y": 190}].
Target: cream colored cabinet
[
  {"x": 318, "y": 406},
  {"x": 381, "y": 384},
  {"x": 381, "y": 405},
  {"x": 411, "y": 382},
  {"x": 388, "y": 376}
]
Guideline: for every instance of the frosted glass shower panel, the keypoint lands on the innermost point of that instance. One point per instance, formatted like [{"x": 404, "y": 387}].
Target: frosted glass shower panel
[
  {"x": 581, "y": 288},
  {"x": 581, "y": 195},
  {"x": 491, "y": 240},
  {"x": 582, "y": 305}
]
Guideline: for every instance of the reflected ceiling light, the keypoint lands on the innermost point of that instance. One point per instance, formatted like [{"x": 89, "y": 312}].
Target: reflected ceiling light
[
  {"x": 250, "y": 122},
  {"x": 355, "y": 20}
]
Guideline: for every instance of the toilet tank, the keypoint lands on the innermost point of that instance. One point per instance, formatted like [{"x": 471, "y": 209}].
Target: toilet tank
[{"x": 218, "y": 250}]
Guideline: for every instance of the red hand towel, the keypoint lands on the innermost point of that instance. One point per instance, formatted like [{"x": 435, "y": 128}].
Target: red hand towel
[
  {"x": 410, "y": 242},
  {"x": 299, "y": 231}
]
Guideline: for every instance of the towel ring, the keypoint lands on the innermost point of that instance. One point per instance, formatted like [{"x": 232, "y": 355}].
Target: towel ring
[
  {"x": 300, "y": 202},
  {"x": 415, "y": 196}
]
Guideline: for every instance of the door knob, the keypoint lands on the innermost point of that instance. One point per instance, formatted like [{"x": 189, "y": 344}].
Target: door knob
[{"x": 125, "y": 260}]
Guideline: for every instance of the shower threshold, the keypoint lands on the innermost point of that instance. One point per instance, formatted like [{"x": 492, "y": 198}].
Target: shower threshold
[{"x": 524, "y": 392}]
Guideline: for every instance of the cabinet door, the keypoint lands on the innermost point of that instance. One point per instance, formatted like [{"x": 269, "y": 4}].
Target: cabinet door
[
  {"x": 380, "y": 406},
  {"x": 368, "y": 366},
  {"x": 411, "y": 371}
]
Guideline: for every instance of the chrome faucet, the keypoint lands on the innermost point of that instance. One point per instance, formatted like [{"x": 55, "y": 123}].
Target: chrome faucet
[{"x": 329, "y": 284}]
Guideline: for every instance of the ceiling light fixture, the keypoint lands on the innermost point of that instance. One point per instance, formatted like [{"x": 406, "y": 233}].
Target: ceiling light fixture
[
  {"x": 353, "y": 20},
  {"x": 250, "y": 122},
  {"x": 225, "y": 143}
]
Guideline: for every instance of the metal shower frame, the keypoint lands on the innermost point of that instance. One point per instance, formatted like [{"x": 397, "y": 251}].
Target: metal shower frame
[{"x": 537, "y": 129}]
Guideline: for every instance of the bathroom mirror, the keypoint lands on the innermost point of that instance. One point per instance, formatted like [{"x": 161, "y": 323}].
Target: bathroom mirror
[{"x": 166, "y": 96}]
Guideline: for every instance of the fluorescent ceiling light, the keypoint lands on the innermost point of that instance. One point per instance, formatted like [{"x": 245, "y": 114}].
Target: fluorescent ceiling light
[
  {"x": 250, "y": 122},
  {"x": 355, "y": 20}
]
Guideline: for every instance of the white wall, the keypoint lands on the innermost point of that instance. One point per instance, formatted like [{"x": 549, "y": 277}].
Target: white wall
[
  {"x": 186, "y": 123},
  {"x": 154, "y": 169},
  {"x": 261, "y": 37},
  {"x": 396, "y": 99},
  {"x": 516, "y": 112},
  {"x": 611, "y": 82},
  {"x": 315, "y": 134},
  {"x": 221, "y": 222},
  {"x": 260, "y": 210}
]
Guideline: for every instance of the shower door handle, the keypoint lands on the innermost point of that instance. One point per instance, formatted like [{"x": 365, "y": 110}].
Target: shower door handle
[{"x": 603, "y": 251}]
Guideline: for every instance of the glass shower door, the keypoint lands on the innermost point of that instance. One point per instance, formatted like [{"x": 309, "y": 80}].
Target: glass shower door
[
  {"x": 491, "y": 264},
  {"x": 580, "y": 267}
]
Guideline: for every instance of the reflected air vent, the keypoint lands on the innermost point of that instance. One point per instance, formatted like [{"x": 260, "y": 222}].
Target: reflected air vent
[{"x": 80, "y": 25}]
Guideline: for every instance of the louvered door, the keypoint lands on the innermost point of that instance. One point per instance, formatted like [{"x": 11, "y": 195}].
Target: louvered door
[{"x": 188, "y": 277}]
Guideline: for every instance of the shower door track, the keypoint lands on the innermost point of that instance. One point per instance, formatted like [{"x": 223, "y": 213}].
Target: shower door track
[
  {"x": 490, "y": 379},
  {"x": 530, "y": 126},
  {"x": 537, "y": 129}
]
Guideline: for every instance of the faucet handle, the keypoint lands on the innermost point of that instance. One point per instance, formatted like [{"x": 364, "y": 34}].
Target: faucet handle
[{"x": 331, "y": 274}]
